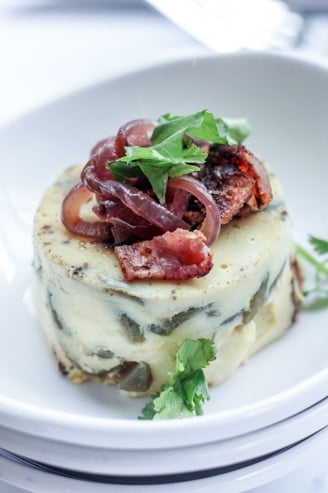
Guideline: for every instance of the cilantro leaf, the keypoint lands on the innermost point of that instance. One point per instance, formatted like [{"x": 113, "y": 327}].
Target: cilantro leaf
[
  {"x": 231, "y": 131},
  {"x": 194, "y": 355},
  {"x": 201, "y": 125},
  {"x": 170, "y": 404},
  {"x": 319, "y": 290},
  {"x": 320, "y": 246},
  {"x": 120, "y": 171},
  {"x": 186, "y": 390},
  {"x": 171, "y": 153},
  {"x": 236, "y": 130}
]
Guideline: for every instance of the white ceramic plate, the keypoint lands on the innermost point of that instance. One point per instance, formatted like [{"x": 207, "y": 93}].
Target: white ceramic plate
[
  {"x": 286, "y": 101},
  {"x": 178, "y": 460},
  {"x": 236, "y": 481}
]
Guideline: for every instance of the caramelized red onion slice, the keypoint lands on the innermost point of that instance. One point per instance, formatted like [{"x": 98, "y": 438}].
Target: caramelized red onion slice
[
  {"x": 97, "y": 147},
  {"x": 134, "y": 133},
  {"x": 71, "y": 210},
  {"x": 102, "y": 153},
  {"x": 211, "y": 225},
  {"x": 139, "y": 202},
  {"x": 126, "y": 223}
]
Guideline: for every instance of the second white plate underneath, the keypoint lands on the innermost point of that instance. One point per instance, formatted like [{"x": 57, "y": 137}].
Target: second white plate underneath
[{"x": 234, "y": 481}]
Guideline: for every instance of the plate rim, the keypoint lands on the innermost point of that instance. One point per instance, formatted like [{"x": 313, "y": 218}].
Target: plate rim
[{"x": 317, "y": 61}]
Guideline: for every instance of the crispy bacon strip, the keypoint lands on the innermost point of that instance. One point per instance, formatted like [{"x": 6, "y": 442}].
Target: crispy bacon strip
[
  {"x": 246, "y": 162},
  {"x": 232, "y": 189},
  {"x": 237, "y": 180},
  {"x": 177, "y": 255}
]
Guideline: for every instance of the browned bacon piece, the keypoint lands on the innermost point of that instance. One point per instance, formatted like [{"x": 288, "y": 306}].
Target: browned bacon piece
[
  {"x": 236, "y": 179},
  {"x": 177, "y": 255},
  {"x": 230, "y": 188},
  {"x": 248, "y": 163}
]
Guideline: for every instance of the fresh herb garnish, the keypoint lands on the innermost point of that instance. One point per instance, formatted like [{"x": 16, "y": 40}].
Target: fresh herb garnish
[
  {"x": 172, "y": 153},
  {"x": 320, "y": 265},
  {"x": 186, "y": 390}
]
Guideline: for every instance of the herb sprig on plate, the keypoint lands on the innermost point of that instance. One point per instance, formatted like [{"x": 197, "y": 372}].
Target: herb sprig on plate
[
  {"x": 318, "y": 259},
  {"x": 186, "y": 390}
]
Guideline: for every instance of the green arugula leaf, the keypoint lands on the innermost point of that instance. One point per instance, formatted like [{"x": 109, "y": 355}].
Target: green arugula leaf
[
  {"x": 319, "y": 290},
  {"x": 171, "y": 153},
  {"x": 186, "y": 390}
]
